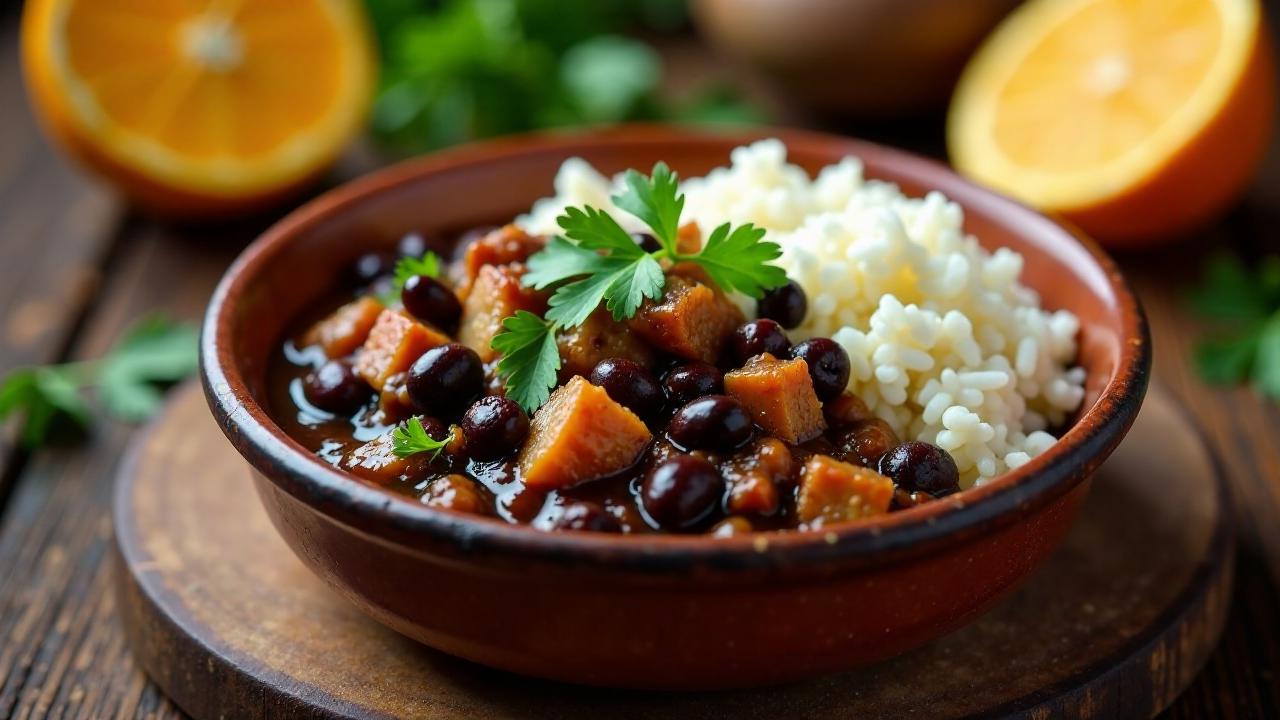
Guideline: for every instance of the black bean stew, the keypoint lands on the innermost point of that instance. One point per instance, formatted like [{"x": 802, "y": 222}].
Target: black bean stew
[{"x": 687, "y": 417}]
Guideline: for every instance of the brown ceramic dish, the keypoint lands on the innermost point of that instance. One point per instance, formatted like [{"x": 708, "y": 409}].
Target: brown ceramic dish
[{"x": 657, "y": 611}]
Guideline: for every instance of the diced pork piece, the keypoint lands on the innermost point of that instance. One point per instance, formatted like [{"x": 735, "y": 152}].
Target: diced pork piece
[
  {"x": 395, "y": 341},
  {"x": 506, "y": 245},
  {"x": 689, "y": 238},
  {"x": 832, "y": 491},
  {"x": 779, "y": 395},
  {"x": 580, "y": 434},
  {"x": 754, "y": 478},
  {"x": 456, "y": 492},
  {"x": 346, "y": 329},
  {"x": 691, "y": 319},
  {"x": 374, "y": 461},
  {"x": 393, "y": 399},
  {"x": 598, "y": 338},
  {"x": 496, "y": 295}
]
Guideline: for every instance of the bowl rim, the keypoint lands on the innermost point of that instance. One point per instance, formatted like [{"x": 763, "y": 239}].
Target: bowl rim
[{"x": 404, "y": 522}]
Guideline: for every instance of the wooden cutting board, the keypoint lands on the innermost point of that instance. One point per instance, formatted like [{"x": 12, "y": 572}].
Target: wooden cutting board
[{"x": 230, "y": 624}]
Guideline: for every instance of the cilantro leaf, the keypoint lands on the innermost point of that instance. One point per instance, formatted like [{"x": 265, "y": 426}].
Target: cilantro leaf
[
  {"x": 1266, "y": 366},
  {"x": 641, "y": 279},
  {"x": 738, "y": 259},
  {"x": 428, "y": 265},
  {"x": 561, "y": 260},
  {"x": 620, "y": 283},
  {"x": 1226, "y": 361},
  {"x": 530, "y": 358},
  {"x": 411, "y": 439},
  {"x": 153, "y": 351},
  {"x": 1229, "y": 291},
  {"x": 656, "y": 200},
  {"x": 597, "y": 230}
]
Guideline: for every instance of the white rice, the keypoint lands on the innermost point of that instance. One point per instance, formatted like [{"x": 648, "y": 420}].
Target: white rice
[{"x": 946, "y": 345}]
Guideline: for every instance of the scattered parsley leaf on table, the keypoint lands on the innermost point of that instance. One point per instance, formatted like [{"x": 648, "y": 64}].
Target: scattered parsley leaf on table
[
  {"x": 596, "y": 261},
  {"x": 153, "y": 351},
  {"x": 1245, "y": 303},
  {"x": 411, "y": 438}
]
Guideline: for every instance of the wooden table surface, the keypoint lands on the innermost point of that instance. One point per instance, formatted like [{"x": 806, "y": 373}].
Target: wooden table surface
[{"x": 76, "y": 267}]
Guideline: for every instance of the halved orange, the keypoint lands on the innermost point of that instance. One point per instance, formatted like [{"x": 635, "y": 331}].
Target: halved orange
[
  {"x": 1136, "y": 119},
  {"x": 200, "y": 106}
]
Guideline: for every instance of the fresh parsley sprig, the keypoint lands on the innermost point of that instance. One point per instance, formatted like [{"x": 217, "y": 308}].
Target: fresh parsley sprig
[
  {"x": 596, "y": 261},
  {"x": 407, "y": 267},
  {"x": 1246, "y": 306},
  {"x": 153, "y": 351},
  {"x": 411, "y": 439}
]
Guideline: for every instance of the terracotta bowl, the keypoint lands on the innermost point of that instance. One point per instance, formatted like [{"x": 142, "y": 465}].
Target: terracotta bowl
[{"x": 656, "y": 611}]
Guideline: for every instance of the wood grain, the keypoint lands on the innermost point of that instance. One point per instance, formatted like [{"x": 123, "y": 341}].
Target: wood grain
[{"x": 230, "y": 623}]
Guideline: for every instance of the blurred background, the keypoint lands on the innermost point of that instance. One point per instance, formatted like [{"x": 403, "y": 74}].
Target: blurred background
[{"x": 106, "y": 222}]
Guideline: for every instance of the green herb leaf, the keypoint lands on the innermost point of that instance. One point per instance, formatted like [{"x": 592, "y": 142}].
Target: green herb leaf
[
  {"x": 1266, "y": 372},
  {"x": 1226, "y": 361},
  {"x": 530, "y": 358},
  {"x": 153, "y": 351},
  {"x": 561, "y": 260},
  {"x": 609, "y": 76},
  {"x": 427, "y": 265},
  {"x": 621, "y": 284},
  {"x": 1230, "y": 291},
  {"x": 411, "y": 439},
  {"x": 597, "y": 230},
  {"x": 656, "y": 200},
  {"x": 738, "y": 259}
]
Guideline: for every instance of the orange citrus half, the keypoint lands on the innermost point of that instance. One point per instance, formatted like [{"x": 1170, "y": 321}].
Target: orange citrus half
[
  {"x": 1136, "y": 119},
  {"x": 198, "y": 107}
]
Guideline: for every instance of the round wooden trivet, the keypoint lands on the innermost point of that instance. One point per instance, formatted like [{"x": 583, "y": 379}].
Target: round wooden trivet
[{"x": 230, "y": 624}]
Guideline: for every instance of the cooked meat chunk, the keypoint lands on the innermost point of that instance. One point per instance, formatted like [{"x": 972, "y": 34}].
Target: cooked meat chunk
[
  {"x": 395, "y": 341},
  {"x": 580, "y": 434},
  {"x": 832, "y": 491},
  {"x": 779, "y": 395},
  {"x": 496, "y": 295},
  {"x": 691, "y": 319},
  {"x": 456, "y": 492},
  {"x": 375, "y": 461},
  {"x": 346, "y": 329},
  {"x": 689, "y": 238},
  {"x": 599, "y": 338},
  {"x": 506, "y": 245},
  {"x": 754, "y": 477}
]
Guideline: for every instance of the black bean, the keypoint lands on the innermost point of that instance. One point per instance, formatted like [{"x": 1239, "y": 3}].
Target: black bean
[
  {"x": 372, "y": 266},
  {"x": 335, "y": 387},
  {"x": 494, "y": 427},
  {"x": 714, "y": 422},
  {"x": 445, "y": 380},
  {"x": 431, "y": 301},
  {"x": 690, "y": 381},
  {"x": 647, "y": 242},
  {"x": 629, "y": 384},
  {"x": 681, "y": 492},
  {"x": 920, "y": 466},
  {"x": 828, "y": 366},
  {"x": 787, "y": 305},
  {"x": 756, "y": 337}
]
